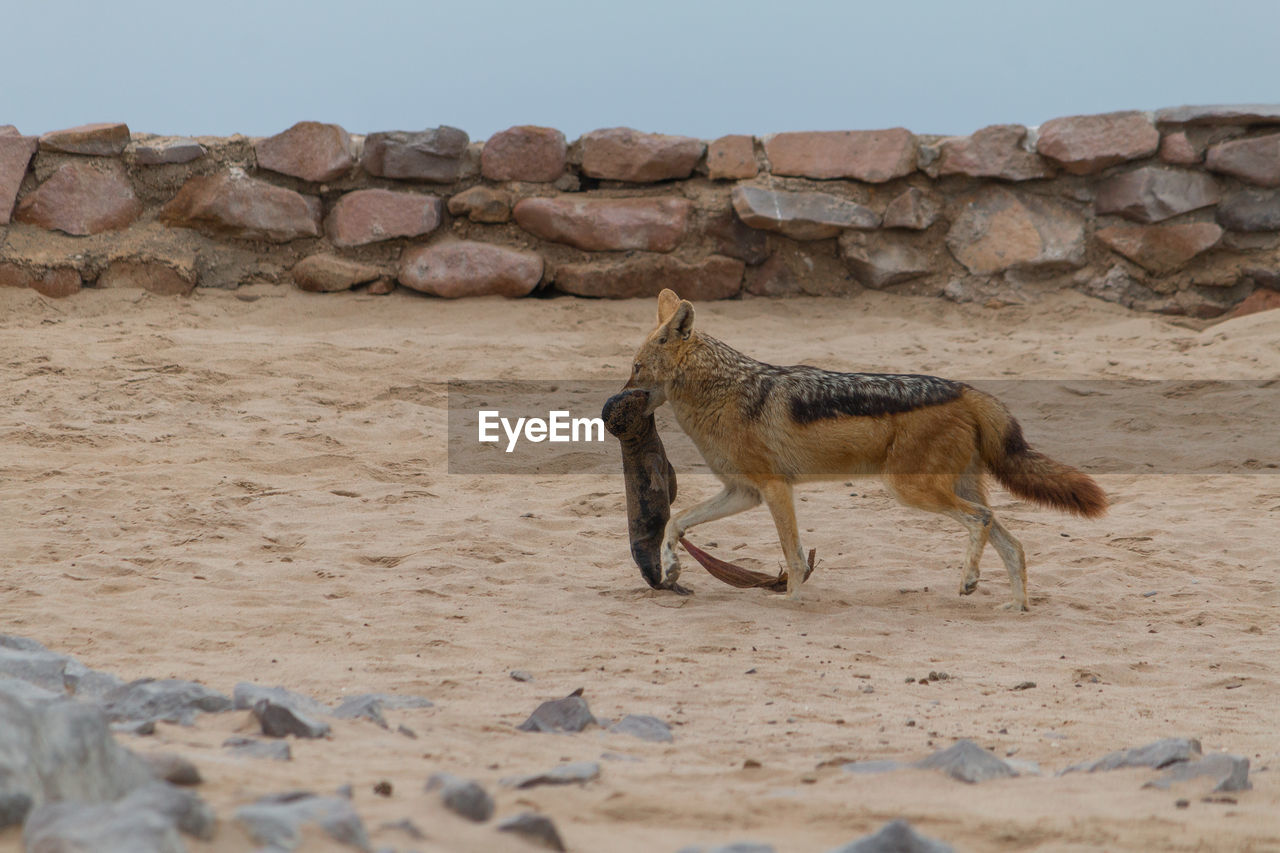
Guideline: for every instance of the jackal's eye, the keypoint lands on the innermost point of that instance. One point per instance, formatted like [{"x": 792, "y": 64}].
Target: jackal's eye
[{"x": 635, "y": 368}]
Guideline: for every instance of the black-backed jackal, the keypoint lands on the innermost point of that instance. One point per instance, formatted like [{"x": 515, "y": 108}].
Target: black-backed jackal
[{"x": 762, "y": 428}]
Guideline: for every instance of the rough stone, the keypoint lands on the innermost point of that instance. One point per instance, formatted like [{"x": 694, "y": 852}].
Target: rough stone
[
  {"x": 248, "y": 747},
  {"x": 878, "y": 260},
  {"x": 1083, "y": 145},
  {"x": 999, "y": 230},
  {"x": 166, "y": 150},
  {"x": 81, "y": 198},
  {"x": 524, "y": 153},
  {"x": 330, "y": 274},
  {"x": 281, "y": 720},
  {"x": 874, "y": 156},
  {"x": 1250, "y": 210},
  {"x": 575, "y": 772},
  {"x": 1159, "y": 754},
  {"x": 895, "y": 837},
  {"x": 173, "y": 768},
  {"x": 309, "y": 150},
  {"x": 169, "y": 700},
  {"x": 277, "y": 821},
  {"x": 147, "y": 819},
  {"x": 369, "y": 216},
  {"x": 570, "y": 714},
  {"x": 245, "y": 695},
  {"x": 644, "y": 727},
  {"x": 56, "y": 283},
  {"x": 992, "y": 152},
  {"x": 800, "y": 215},
  {"x": 812, "y": 269},
  {"x": 153, "y": 276},
  {"x": 624, "y": 154},
  {"x": 15, "y": 155},
  {"x": 733, "y": 238},
  {"x": 1220, "y": 114},
  {"x": 1118, "y": 286},
  {"x": 714, "y": 277},
  {"x": 369, "y": 706},
  {"x": 873, "y": 767},
  {"x": 467, "y": 268},
  {"x": 482, "y": 204},
  {"x": 914, "y": 209},
  {"x": 434, "y": 155},
  {"x": 236, "y": 205},
  {"x": 54, "y": 748},
  {"x": 607, "y": 224},
  {"x": 968, "y": 762},
  {"x": 1254, "y": 161},
  {"x": 1155, "y": 193},
  {"x": 1259, "y": 300},
  {"x": 1229, "y": 772},
  {"x": 462, "y": 796},
  {"x": 1161, "y": 249},
  {"x": 534, "y": 828},
  {"x": 732, "y": 158},
  {"x": 101, "y": 140},
  {"x": 1177, "y": 150}
]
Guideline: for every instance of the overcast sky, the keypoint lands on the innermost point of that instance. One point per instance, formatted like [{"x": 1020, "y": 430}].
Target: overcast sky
[{"x": 697, "y": 67}]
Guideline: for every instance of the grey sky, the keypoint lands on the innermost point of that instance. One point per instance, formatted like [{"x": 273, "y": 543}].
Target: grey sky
[{"x": 697, "y": 67}]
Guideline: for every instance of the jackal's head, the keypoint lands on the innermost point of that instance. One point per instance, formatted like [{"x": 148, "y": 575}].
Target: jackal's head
[{"x": 659, "y": 357}]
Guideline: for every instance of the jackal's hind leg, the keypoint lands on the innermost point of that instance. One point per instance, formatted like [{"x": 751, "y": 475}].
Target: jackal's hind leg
[
  {"x": 1015, "y": 563},
  {"x": 732, "y": 500},
  {"x": 969, "y": 488}
]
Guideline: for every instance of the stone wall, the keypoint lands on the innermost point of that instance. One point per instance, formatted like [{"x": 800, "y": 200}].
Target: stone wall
[{"x": 1176, "y": 211}]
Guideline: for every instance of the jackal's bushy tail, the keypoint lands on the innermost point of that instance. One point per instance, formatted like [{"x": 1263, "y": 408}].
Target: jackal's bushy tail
[{"x": 1028, "y": 473}]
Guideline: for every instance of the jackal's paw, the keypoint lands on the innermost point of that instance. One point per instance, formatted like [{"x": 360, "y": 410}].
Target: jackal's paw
[
  {"x": 678, "y": 589},
  {"x": 968, "y": 586},
  {"x": 1015, "y": 606}
]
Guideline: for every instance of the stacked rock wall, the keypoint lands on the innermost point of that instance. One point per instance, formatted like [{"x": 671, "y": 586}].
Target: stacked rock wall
[{"x": 1175, "y": 211}]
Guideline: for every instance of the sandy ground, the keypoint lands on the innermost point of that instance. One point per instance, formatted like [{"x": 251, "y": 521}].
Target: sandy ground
[{"x": 254, "y": 487}]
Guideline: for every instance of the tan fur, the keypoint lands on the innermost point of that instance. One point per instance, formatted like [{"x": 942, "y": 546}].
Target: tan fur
[{"x": 933, "y": 456}]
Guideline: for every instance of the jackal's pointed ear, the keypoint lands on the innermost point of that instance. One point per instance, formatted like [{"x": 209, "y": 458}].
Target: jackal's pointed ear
[
  {"x": 667, "y": 302},
  {"x": 681, "y": 323}
]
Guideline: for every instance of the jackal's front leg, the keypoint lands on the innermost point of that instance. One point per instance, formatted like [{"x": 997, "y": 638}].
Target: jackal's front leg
[
  {"x": 777, "y": 494},
  {"x": 732, "y": 500}
]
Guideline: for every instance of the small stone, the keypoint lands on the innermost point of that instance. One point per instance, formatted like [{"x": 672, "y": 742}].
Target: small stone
[
  {"x": 874, "y": 156},
  {"x": 381, "y": 287},
  {"x": 277, "y": 750},
  {"x": 733, "y": 238},
  {"x": 370, "y": 216},
  {"x": 482, "y": 204},
  {"x": 277, "y": 821},
  {"x": 56, "y": 283},
  {"x": 520, "y": 675},
  {"x": 894, "y": 837},
  {"x": 878, "y": 261},
  {"x": 602, "y": 225},
  {"x": 166, "y": 150},
  {"x": 82, "y": 197},
  {"x": 173, "y": 768},
  {"x": 1161, "y": 249},
  {"x": 1177, "y": 150},
  {"x": 872, "y": 767},
  {"x": 1255, "y": 160},
  {"x": 1229, "y": 772},
  {"x": 575, "y": 772},
  {"x": 1158, "y": 755},
  {"x": 800, "y": 215},
  {"x": 279, "y": 720},
  {"x": 1153, "y": 193},
  {"x": 968, "y": 762},
  {"x": 15, "y": 155},
  {"x": 535, "y": 828},
  {"x": 233, "y": 204},
  {"x": 1083, "y": 145},
  {"x": 732, "y": 158},
  {"x": 153, "y": 276},
  {"x": 1250, "y": 210},
  {"x": 1023, "y": 685},
  {"x": 309, "y": 150},
  {"x": 914, "y": 209},
  {"x": 434, "y": 155},
  {"x": 100, "y": 140},
  {"x": 999, "y": 230},
  {"x": 329, "y": 273},
  {"x": 464, "y": 268},
  {"x": 714, "y": 277},
  {"x": 383, "y": 788},
  {"x": 169, "y": 700},
  {"x": 644, "y": 727},
  {"x": 245, "y": 695},
  {"x": 524, "y": 153},
  {"x": 570, "y": 714},
  {"x": 1259, "y": 300},
  {"x": 462, "y": 796},
  {"x": 624, "y": 154},
  {"x": 992, "y": 152}
]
